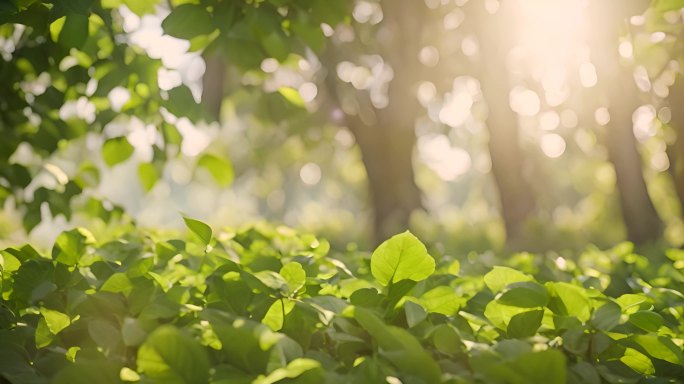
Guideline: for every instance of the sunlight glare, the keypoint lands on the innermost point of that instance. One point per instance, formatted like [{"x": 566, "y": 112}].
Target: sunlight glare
[
  {"x": 553, "y": 145},
  {"x": 551, "y": 31},
  {"x": 602, "y": 116},
  {"x": 549, "y": 120},
  {"x": 194, "y": 140},
  {"x": 524, "y": 102},
  {"x": 310, "y": 174},
  {"x": 643, "y": 119},
  {"x": 588, "y": 76},
  {"x": 118, "y": 97},
  {"x": 447, "y": 162},
  {"x": 456, "y": 108}
]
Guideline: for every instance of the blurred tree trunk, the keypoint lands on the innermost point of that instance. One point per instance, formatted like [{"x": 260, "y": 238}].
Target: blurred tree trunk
[
  {"x": 640, "y": 217},
  {"x": 213, "y": 85},
  {"x": 675, "y": 150},
  {"x": 387, "y": 152},
  {"x": 515, "y": 194},
  {"x": 639, "y": 214},
  {"x": 386, "y": 134},
  {"x": 508, "y": 159}
]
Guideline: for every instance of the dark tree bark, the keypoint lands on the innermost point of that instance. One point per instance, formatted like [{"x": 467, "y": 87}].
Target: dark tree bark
[{"x": 675, "y": 150}]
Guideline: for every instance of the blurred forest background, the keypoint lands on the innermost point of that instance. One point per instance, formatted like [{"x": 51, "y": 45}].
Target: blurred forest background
[{"x": 479, "y": 124}]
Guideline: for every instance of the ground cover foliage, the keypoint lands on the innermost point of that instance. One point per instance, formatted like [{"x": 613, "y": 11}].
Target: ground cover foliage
[{"x": 265, "y": 304}]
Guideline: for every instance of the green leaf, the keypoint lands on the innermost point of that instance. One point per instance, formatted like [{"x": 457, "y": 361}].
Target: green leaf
[
  {"x": 401, "y": 257},
  {"x": 646, "y": 320},
  {"x": 500, "y": 315},
  {"x": 291, "y": 95},
  {"x": 499, "y": 277},
  {"x": 525, "y": 294},
  {"x": 141, "y": 7},
  {"x": 56, "y": 321},
  {"x": 542, "y": 367},
  {"x": 294, "y": 369},
  {"x": 669, "y": 5},
  {"x": 399, "y": 347},
  {"x": 454, "y": 268},
  {"x": 585, "y": 372},
  {"x": 117, "y": 282},
  {"x": 89, "y": 372},
  {"x": 74, "y": 32},
  {"x": 525, "y": 324},
  {"x": 659, "y": 347},
  {"x": 182, "y": 103},
  {"x": 220, "y": 168},
  {"x": 607, "y": 316},
  {"x": 132, "y": 332},
  {"x": 275, "y": 316},
  {"x": 71, "y": 245},
  {"x": 43, "y": 335},
  {"x": 569, "y": 300},
  {"x": 446, "y": 339},
  {"x": 415, "y": 313},
  {"x": 116, "y": 150},
  {"x": 104, "y": 333},
  {"x": 8, "y": 262},
  {"x": 442, "y": 299},
  {"x": 187, "y": 21},
  {"x": 294, "y": 275},
  {"x": 170, "y": 356},
  {"x": 148, "y": 176},
  {"x": 277, "y": 46},
  {"x": 638, "y": 361},
  {"x": 247, "y": 344},
  {"x": 632, "y": 302},
  {"x": 202, "y": 230}
]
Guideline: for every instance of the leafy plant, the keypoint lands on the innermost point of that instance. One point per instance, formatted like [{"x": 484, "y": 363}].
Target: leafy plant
[{"x": 266, "y": 305}]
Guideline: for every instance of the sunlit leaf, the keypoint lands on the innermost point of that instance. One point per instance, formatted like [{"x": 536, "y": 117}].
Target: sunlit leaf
[
  {"x": 401, "y": 257},
  {"x": 499, "y": 277},
  {"x": 71, "y": 245},
  {"x": 442, "y": 299},
  {"x": 220, "y": 168},
  {"x": 148, "y": 176},
  {"x": 116, "y": 150},
  {"x": 202, "y": 230},
  {"x": 56, "y": 321},
  {"x": 294, "y": 275}
]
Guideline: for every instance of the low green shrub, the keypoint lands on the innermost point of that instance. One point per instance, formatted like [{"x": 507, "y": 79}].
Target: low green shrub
[{"x": 266, "y": 305}]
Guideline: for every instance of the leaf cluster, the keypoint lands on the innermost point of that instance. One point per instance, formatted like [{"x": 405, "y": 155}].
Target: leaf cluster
[{"x": 265, "y": 304}]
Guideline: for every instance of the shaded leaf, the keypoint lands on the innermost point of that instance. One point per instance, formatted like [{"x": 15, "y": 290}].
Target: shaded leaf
[{"x": 170, "y": 356}]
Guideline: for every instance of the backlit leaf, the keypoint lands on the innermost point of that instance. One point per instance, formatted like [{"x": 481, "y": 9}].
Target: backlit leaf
[
  {"x": 116, "y": 150},
  {"x": 401, "y": 257},
  {"x": 202, "y": 230},
  {"x": 499, "y": 277}
]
